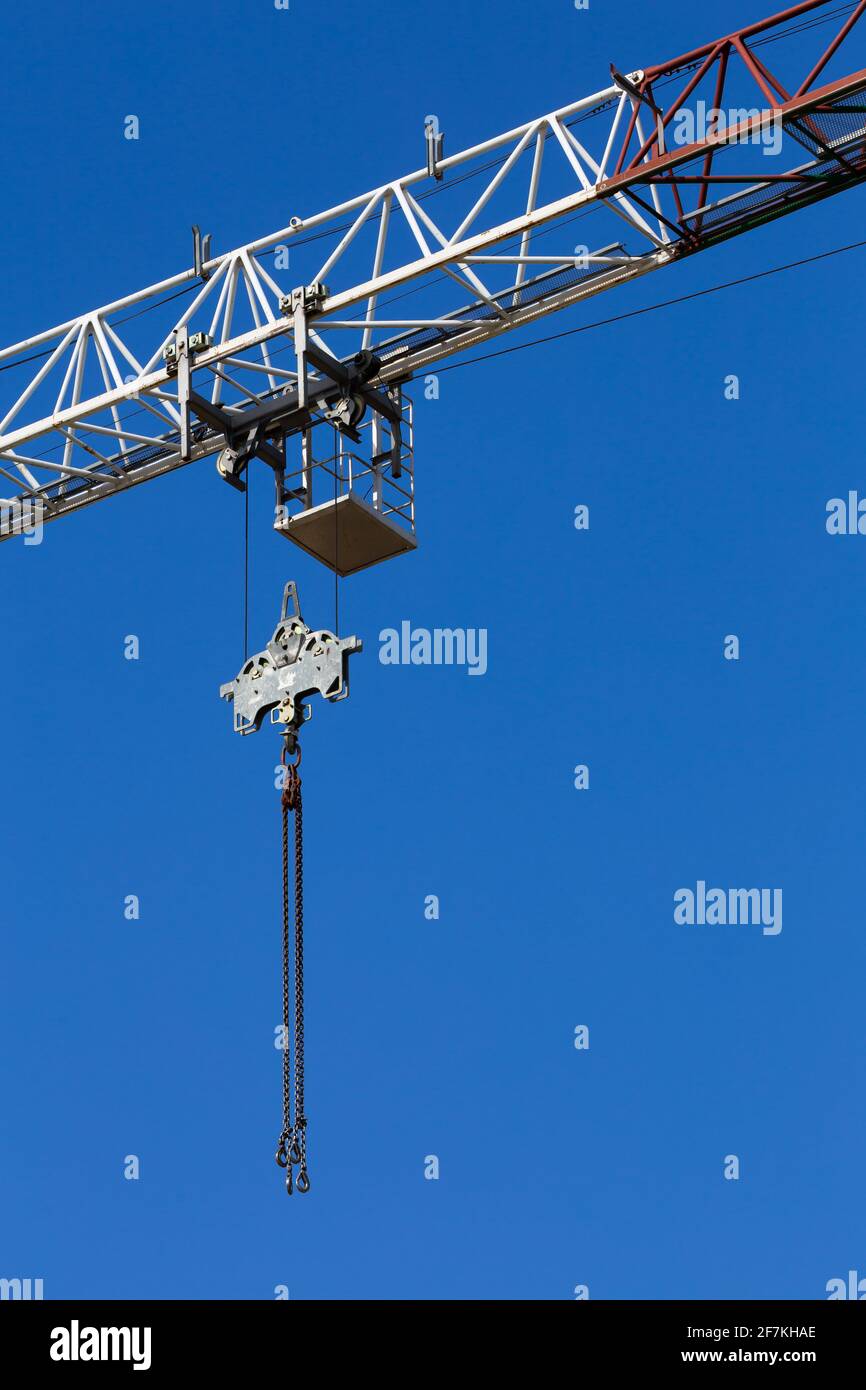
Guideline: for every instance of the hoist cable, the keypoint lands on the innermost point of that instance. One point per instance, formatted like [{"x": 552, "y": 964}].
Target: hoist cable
[
  {"x": 247, "y": 565},
  {"x": 337, "y": 479}
]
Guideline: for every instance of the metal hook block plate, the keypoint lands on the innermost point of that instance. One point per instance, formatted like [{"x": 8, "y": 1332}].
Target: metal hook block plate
[{"x": 296, "y": 664}]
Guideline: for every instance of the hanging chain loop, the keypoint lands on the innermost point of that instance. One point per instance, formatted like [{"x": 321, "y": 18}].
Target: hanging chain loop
[{"x": 292, "y": 1147}]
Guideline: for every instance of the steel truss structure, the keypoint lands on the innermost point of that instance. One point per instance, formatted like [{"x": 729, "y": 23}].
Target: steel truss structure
[{"x": 426, "y": 266}]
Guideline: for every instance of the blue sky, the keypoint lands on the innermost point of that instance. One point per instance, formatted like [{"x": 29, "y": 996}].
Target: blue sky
[{"x": 455, "y": 1038}]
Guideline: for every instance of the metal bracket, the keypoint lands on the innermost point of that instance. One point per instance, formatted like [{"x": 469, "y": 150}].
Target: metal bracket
[
  {"x": 201, "y": 251},
  {"x": 628, "y": 85},
  {"x": 435, "y": 139},
  {"x": 178, "y": 361},
  {"x": 306, "y": 298},
  {"x": 296, "y": 664}
]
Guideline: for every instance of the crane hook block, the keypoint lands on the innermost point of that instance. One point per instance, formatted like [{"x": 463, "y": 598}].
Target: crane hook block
[{"x": 296, "y": 663}]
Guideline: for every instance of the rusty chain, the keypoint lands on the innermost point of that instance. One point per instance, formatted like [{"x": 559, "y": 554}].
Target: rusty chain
[{"x": 292, "y": 1148}]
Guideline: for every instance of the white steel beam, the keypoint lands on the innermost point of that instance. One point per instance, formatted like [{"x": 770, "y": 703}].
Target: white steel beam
[{"x": 499, "y": 207}]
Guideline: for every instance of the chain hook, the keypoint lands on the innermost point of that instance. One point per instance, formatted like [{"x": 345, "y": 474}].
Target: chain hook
[{"x": 291, "y": 788}]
